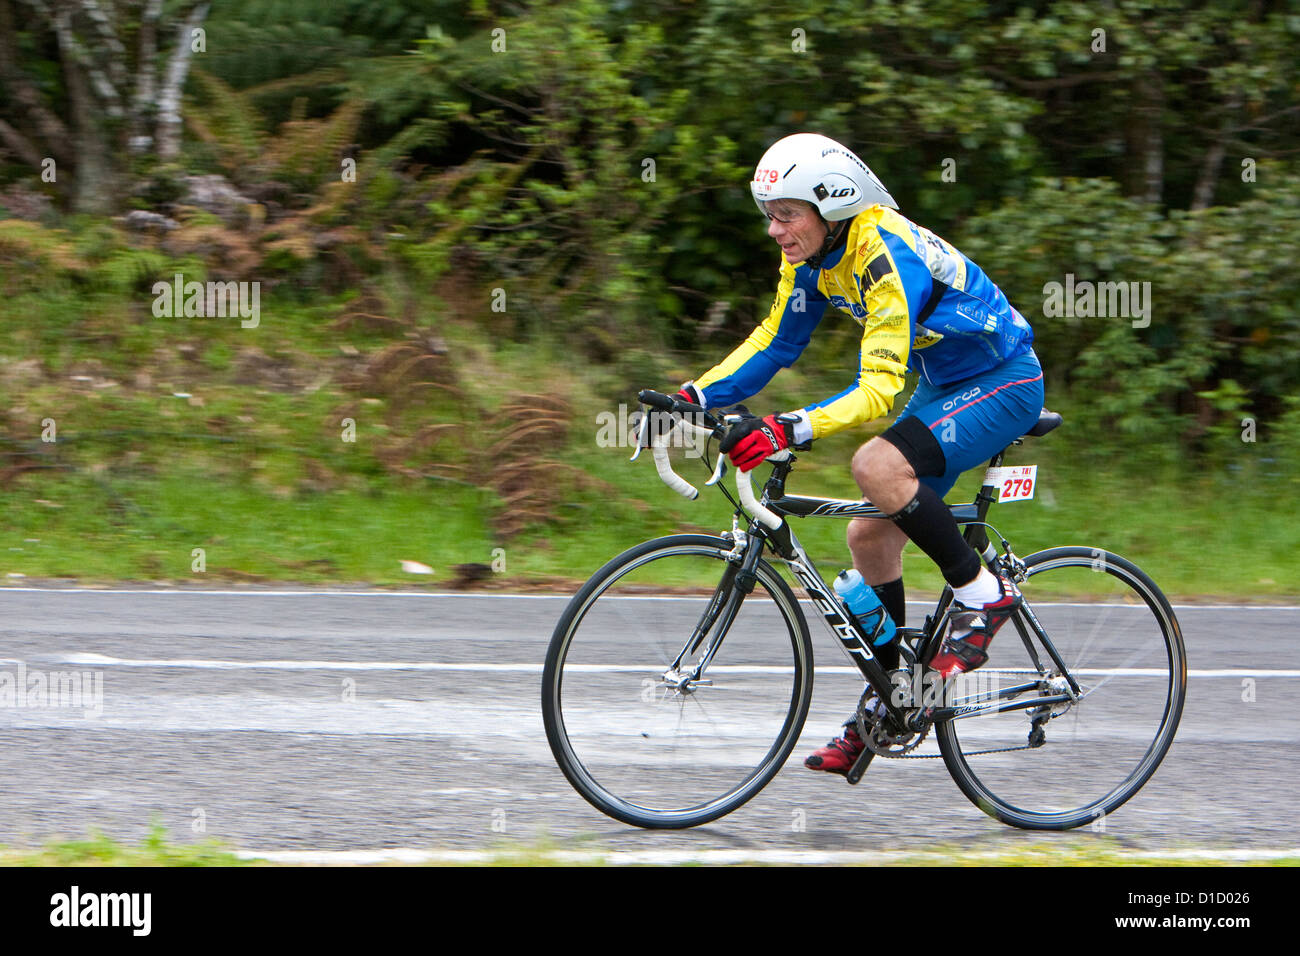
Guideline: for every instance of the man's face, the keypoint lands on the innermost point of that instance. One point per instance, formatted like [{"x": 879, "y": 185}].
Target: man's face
[{"x": 796, "y": 227}]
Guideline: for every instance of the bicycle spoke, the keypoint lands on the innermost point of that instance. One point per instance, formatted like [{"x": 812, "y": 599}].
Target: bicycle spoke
[
  {"x": 1095, "y": 751},
  {"x": 651, "y": 747}
]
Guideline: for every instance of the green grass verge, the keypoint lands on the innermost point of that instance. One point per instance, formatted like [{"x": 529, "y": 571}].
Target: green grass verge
[
  {"x": 1096, "y": 851},
  {"x": 1065, "y": 850},
  {"x": 180, "y": 435},
  {"x": 99, "y": 850},
  {"x": 106, "y": 528}
]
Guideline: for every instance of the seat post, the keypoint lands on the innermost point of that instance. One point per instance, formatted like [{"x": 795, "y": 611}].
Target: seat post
[{"x": 976, "y": 534}]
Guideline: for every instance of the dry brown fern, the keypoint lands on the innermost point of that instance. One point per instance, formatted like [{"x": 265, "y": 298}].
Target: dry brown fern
[{"x": 526, "y": 483}]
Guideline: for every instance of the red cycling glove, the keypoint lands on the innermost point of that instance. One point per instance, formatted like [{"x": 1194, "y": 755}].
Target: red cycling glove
[{"x": 750, "y": 440}]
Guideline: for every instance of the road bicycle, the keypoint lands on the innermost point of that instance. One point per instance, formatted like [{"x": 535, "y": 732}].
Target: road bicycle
[{"x": 669, "y": 713}]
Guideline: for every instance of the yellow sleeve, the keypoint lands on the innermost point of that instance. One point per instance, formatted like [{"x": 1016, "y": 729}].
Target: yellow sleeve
[{"x": 882, "y": 357}]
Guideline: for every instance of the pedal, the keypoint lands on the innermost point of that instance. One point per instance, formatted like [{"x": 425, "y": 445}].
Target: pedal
[{"x": 859, "y": 766}]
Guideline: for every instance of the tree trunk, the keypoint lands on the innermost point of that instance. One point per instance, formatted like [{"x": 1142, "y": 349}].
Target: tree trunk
[
  {"x": 106, "y": 105},
  {"x": 169, "y": 98},
  {"x": 146, "y": 82},
  {"x": 94, "y": 175},
  {"x": 1145, "y": 136},
  {"x": 1154, "y": 105}
]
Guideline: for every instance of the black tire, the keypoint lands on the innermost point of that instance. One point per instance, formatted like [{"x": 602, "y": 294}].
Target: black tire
[
  {"x": 1126, "y": 652},
  {"x": 615, "y": 725}
]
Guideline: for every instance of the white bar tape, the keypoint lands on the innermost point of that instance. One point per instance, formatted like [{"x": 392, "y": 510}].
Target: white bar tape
[
  {"x": 745, "y": 485},
  {"x": 670, "y": 478}
]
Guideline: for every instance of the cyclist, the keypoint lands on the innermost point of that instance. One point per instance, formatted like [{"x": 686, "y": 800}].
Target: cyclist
[{"x": 922, "y": 306}]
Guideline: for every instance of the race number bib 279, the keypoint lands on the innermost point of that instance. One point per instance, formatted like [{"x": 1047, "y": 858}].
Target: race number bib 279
[{"x": 1015, "y": 483}]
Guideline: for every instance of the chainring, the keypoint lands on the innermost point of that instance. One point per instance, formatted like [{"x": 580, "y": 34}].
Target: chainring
[{"x": 874, "y": 735}]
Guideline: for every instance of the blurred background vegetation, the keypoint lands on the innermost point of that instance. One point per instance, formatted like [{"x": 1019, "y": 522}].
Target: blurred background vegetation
[{"x": 478, "y": 226}]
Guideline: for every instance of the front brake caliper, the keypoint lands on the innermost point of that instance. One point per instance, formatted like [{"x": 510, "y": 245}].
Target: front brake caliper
[{"x": 1012, "y": 564}]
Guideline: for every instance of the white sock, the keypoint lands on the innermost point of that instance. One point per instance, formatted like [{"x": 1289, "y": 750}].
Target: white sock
[{"x": 985, "y": 589}]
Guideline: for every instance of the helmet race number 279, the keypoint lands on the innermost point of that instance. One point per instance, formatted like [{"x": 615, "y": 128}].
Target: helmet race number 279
[{"x": 818, "y": 170}]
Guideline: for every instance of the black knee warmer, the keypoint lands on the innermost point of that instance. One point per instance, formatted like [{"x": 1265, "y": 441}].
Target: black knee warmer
[{"x": 927, "y": 521}]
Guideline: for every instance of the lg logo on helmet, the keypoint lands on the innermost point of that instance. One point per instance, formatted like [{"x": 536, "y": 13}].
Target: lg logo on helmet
[{"x": 839, "y": 192}]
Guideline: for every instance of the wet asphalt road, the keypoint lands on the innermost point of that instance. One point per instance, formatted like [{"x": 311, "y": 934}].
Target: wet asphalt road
[{"x": 361, "y": 721}]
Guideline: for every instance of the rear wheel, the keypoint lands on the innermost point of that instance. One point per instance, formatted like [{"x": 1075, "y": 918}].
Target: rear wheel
[
  {"x": 634, "y": 741},
  {"x": 1058, "y": 766}
]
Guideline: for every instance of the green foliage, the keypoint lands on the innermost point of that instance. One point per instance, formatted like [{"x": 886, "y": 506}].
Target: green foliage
[
  {"x": 1222, "y": 341},
  {"x": 226, "y": 118},
  {"x": 557, "y": 203},
  {"x": 590, "y": 159}
]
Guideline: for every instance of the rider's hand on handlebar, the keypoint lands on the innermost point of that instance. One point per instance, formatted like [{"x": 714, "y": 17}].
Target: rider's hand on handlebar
[
  {"x": 662, "y": 422},
  {"x": 689, "y": 393},
  {"x": 751, "y": 440}
]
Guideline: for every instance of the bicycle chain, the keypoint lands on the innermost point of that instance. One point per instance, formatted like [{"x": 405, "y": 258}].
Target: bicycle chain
[
  {"x": 905, "y": 755},
  {"x": 870, "y": 734},
  {"x": 900, "y": 753}
]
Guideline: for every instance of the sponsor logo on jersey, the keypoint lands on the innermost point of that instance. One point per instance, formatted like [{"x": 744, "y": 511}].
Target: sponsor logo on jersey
[
  {"x": 857, "y": 311},
  {"x": 976, "y": 313}
]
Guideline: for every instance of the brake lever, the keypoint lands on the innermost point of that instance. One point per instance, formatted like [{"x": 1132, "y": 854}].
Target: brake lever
[
  {"x": 642, "y": 432},
  {"x": 719, "y": 470}
]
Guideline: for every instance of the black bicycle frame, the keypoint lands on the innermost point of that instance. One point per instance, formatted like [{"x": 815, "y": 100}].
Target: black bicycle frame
[
  {"x": 845, "y": 626},
  {"x": 738, "y": 582}
]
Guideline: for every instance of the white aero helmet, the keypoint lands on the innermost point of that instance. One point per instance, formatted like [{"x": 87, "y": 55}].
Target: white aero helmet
[{"x": 818, "y": 170}]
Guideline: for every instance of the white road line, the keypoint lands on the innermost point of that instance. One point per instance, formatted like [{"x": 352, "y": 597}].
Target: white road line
[
  {"x": 708, "y": 857},
  {"x": 102, "y": 660},
  {"x": 555, "y": 597}
]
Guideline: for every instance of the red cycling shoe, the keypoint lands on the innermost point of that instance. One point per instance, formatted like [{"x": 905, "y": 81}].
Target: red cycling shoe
[
  {"x": 838, "y": 755},
  {"x": 971, "y": 630}
]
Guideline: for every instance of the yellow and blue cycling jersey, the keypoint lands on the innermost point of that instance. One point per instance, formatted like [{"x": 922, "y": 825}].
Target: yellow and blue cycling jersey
[{"x": 922, "y": 305}]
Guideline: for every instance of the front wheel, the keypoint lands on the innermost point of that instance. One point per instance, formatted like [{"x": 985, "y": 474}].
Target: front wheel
[
  {"x": 1054, "y": 766},
  {"x": 636, "y": 742}
]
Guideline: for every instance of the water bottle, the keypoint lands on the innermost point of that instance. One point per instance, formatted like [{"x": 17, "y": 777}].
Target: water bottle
[{"x": 866, "y": 607}]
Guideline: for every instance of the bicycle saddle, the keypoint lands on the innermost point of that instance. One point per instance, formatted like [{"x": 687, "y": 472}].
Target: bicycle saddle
[{"x": 1046, "y": 422}]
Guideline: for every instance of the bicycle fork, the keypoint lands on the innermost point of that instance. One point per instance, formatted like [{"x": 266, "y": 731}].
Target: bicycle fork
[{"x": 738, "y": 580}]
